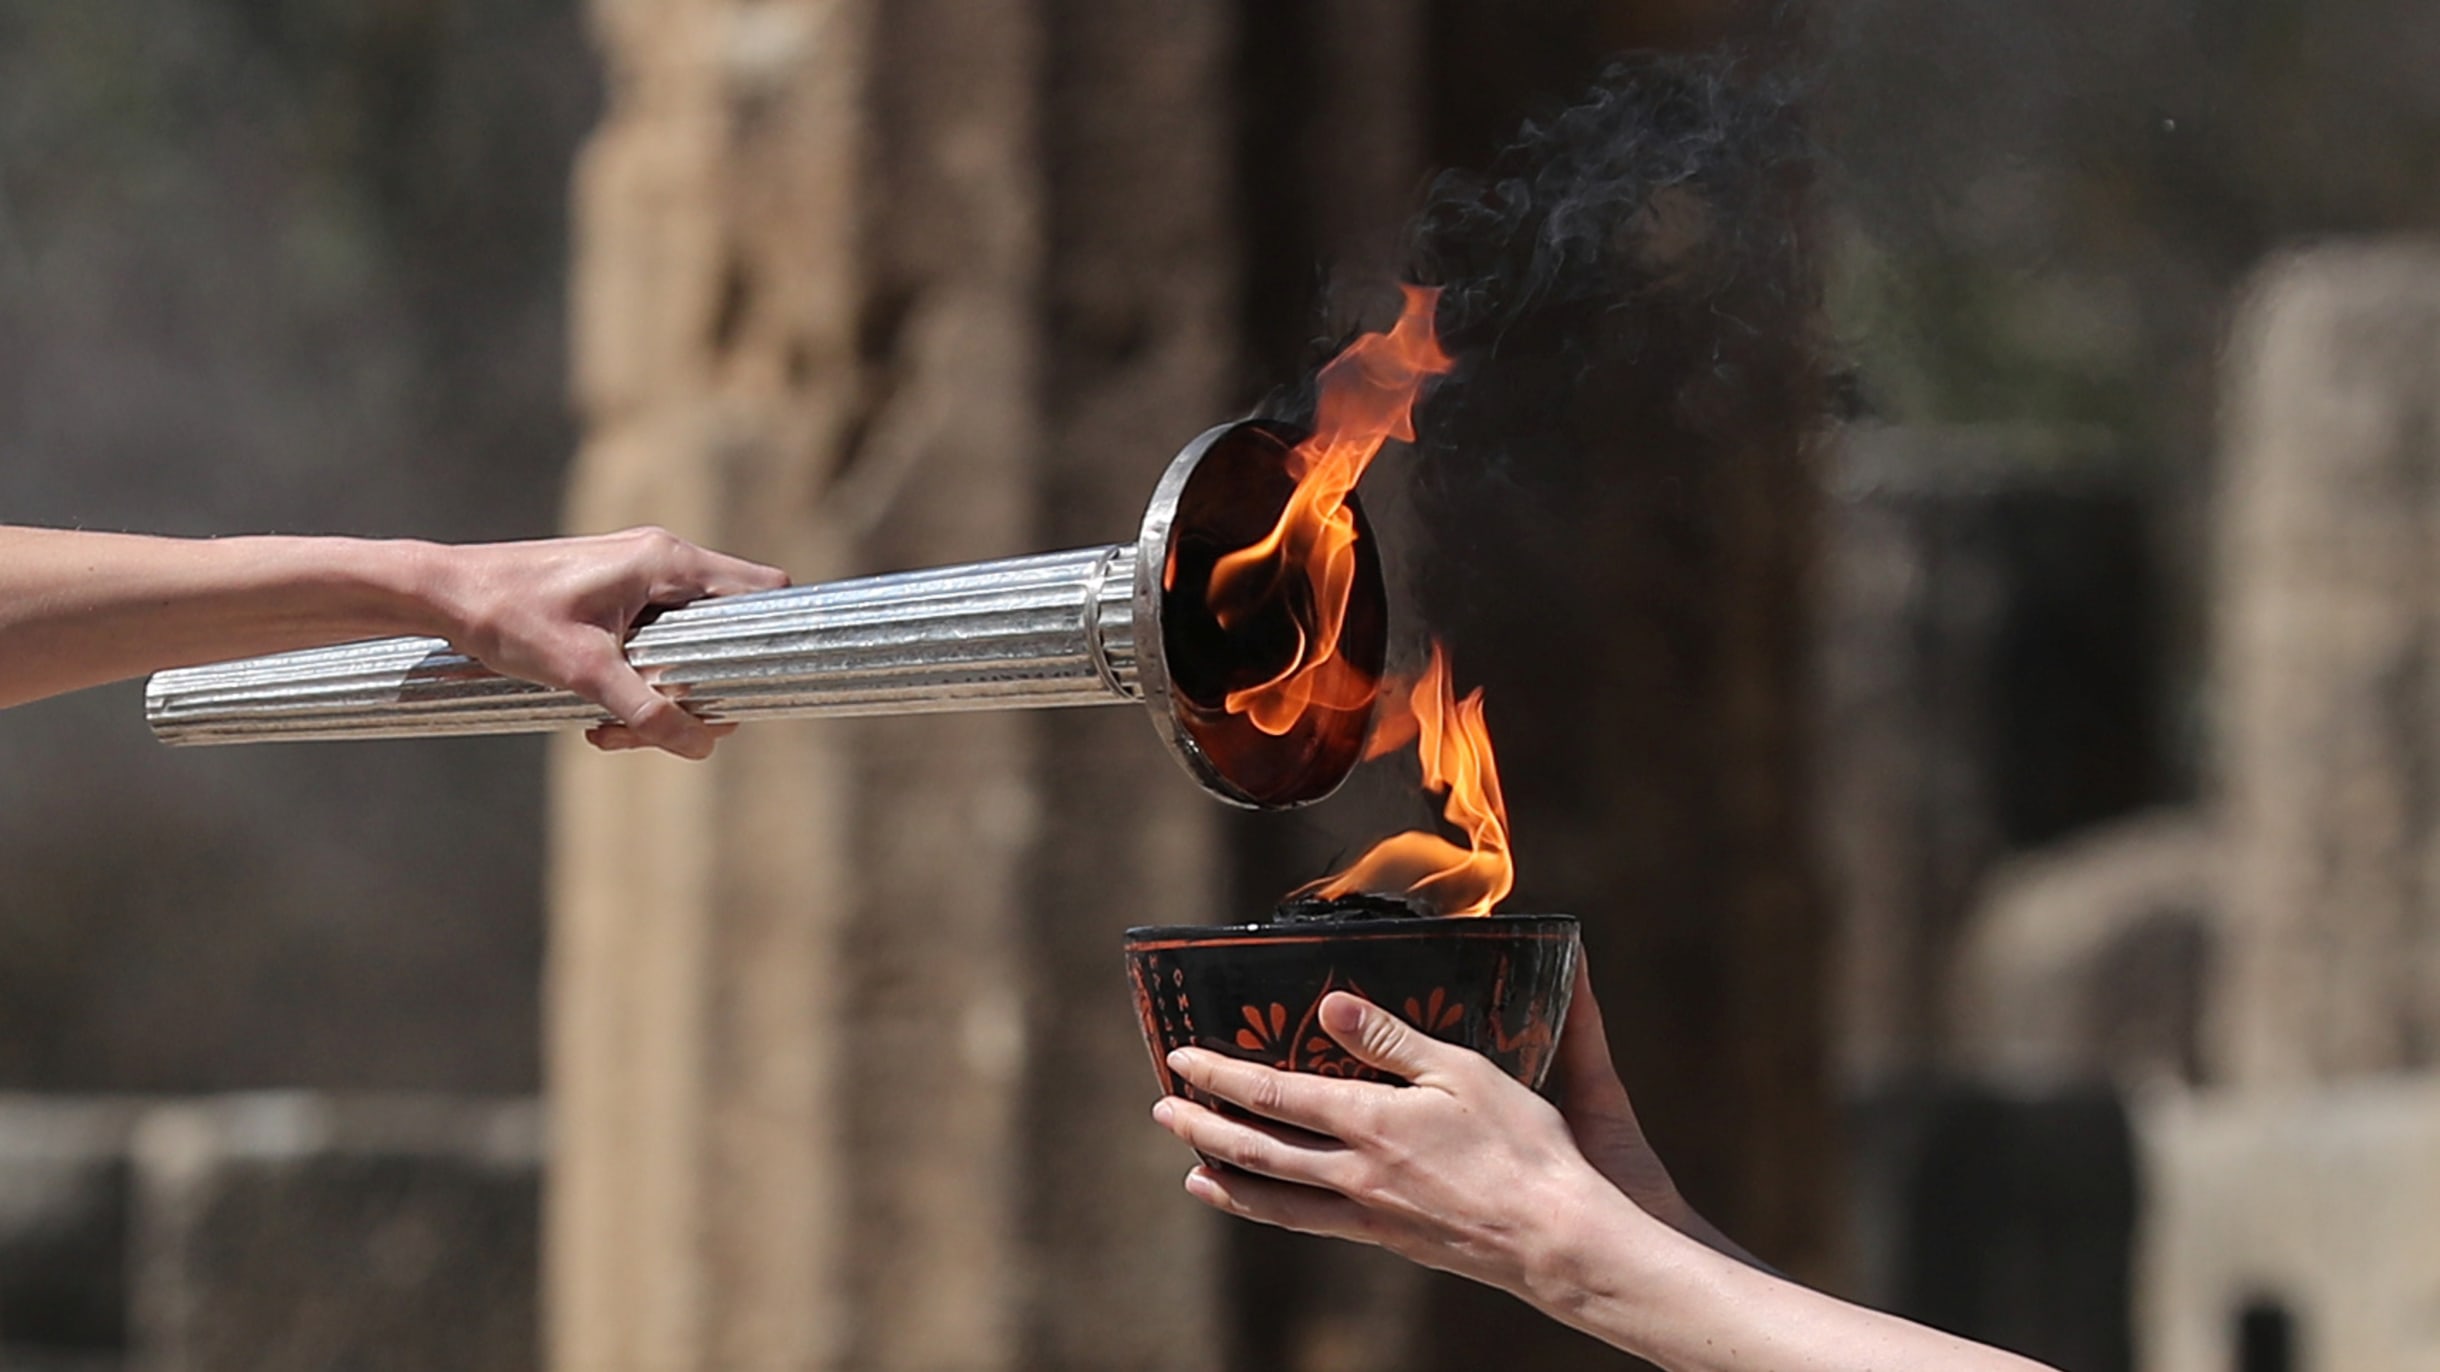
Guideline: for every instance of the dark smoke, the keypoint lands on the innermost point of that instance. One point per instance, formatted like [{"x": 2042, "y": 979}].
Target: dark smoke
[
  {"x": 1630, "y": 292},
  {"x": 1603, "y": 516},
  {"x": 1629, "y": 280},
  {"x": 1636, "y": 265},
  {"x": 1670, "y": 187}
]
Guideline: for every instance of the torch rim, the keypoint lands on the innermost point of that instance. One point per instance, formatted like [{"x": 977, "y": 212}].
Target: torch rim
[{"x": 1153, "y": 677}]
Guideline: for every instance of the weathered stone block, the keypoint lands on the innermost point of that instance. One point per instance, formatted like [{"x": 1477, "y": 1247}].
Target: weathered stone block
[
  {"x": 66, "y": 1204},
  {"x": 2328, "y": 534},
  {"x": 293, "y": 1232},
  {"x": 2092, "y": 960},
  {"x": 2301, "y": 1218}
]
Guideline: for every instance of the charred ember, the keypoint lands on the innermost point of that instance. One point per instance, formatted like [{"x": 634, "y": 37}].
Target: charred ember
[{"x": 1304, "y": 909}]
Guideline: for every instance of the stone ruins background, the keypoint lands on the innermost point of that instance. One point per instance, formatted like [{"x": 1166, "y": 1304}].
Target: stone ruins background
[{"x": 2003, "y": 826}]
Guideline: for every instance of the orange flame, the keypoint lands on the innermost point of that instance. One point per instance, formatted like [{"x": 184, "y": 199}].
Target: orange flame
[
  {"x": 1368, "y": 397},
  {"x": 1454, "y": 745}
]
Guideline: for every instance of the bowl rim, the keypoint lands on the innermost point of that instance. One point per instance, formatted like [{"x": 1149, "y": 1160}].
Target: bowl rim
[{"x": 1354, "y": 930}]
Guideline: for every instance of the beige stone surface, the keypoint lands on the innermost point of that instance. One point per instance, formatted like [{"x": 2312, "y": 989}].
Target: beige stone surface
[
  {"x": 2315, "y": 1200},
  {"x": 842, "y": 1068},
  {"x": 2330, "y": 537},
  {"x": 2091, "y": 959},
  {"x": 2278, "y": 945}
]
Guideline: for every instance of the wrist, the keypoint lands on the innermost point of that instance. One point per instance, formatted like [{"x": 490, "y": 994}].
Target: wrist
[
  {"x": 331, "y": 584},
  {"x": 1619, "y": 1272},
  {"x": 411, "y": 584},
  {"x": 1596, "y": 1229}
]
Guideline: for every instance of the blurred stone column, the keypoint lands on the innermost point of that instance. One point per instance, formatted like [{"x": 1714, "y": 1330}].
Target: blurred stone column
[
  {"x": 1139, "y": 340},
  {"x": 842, "y": 1069},
  {"x": 2330, "y": 569}
]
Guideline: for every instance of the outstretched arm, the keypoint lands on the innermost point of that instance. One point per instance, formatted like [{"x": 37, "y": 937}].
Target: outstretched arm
[
  {"x": 1467, "y": 1171},
  {"x": 79, "y": 609},
  {"x": 1600, "y": 1118}
]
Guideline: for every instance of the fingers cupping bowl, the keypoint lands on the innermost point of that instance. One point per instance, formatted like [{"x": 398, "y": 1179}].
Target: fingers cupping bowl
[{"x": 1497, "y": 984}]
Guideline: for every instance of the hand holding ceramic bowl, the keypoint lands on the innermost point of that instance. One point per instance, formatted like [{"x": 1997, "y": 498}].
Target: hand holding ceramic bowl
[
  {"x": 1280, "y": 1020},
  {"x": 1498, "y": 984},
  {"x": 1448, "y": 1161},
  {"x": 1475, "y": 1155}
]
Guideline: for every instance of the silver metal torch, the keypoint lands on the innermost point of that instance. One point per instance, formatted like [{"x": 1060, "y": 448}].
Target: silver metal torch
[{"x": 1126, "y": 622}]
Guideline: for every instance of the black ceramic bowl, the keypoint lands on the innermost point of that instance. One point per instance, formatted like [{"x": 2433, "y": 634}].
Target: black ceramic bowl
[{"x": 1497, "y": 984}]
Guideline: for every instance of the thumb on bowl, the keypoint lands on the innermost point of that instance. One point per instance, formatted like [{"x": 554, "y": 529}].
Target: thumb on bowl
[{"x": 1380, "y": 1039}]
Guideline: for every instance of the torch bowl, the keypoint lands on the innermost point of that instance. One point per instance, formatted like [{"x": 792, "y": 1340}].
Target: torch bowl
[{"x": 1498, "y": 984}]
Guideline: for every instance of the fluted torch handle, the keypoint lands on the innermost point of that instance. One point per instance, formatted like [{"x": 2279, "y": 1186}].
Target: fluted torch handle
[{"x": 1049, "y": 630}]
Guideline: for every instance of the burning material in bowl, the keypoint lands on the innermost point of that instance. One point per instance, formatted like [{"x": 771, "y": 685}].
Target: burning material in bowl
[{"x": 1498, "y": 984}]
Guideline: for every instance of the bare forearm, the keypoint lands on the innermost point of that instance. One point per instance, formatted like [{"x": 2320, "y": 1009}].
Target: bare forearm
[
  {"x": 1682, "y": 1217},
  {"x": 79, "y": 609},
  {"x": 1681, "y": 1304}
]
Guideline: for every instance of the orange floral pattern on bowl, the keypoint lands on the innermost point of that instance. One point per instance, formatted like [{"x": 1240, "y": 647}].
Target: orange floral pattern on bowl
[{"x": 1497, "y": 985}]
